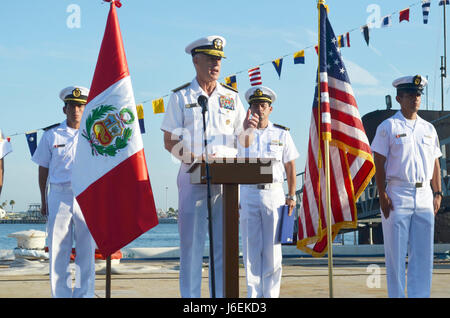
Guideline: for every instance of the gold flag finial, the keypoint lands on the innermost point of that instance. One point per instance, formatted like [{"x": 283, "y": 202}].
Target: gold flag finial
[{"x": 319, "y": 2}]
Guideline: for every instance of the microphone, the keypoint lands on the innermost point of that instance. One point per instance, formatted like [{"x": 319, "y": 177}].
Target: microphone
[{"x": 203, "y": 102}]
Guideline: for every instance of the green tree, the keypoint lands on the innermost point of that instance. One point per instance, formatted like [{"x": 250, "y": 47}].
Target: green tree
[{"x": 11, "y": 203}]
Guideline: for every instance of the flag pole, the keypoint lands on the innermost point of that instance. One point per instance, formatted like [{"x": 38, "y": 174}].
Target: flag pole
[
  {"x": 108, "y": 277},
  {"x": 444, "y": 57},
  {"x": 328, "y": 201},
  {"x": 327, "y": 175},
  {"x": 108, "y": 258}
]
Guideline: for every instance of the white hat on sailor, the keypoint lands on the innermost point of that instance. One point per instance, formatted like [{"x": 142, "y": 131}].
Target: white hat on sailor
[
  {"x": 260, "y": 93},
  {"x": 74, "y": 93},
  {"x": 210, "y": 45},
  {"x": 410, "y": 83}
]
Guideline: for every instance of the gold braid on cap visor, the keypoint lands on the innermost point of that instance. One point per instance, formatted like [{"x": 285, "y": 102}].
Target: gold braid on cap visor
[
  {"x": 259, "y": 98},
  {"x": 70, "y": 99},
  {"x": 210, "y": 52}
]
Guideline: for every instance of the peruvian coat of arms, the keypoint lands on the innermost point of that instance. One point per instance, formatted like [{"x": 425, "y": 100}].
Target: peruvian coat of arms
[{"x": 107, "y": 131}]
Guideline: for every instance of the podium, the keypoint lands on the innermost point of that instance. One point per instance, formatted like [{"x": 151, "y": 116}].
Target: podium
[{"x": 230, "y": 172}]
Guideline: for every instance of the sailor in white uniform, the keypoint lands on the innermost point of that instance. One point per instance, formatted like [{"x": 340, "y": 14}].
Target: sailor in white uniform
[
  {"x": 5, "y": 148},
  {"x": 54, "y": 155},
  {"x": 406, "y": 151},
  {"x": 261, "y": 204},
  {"x": 183, "y": 138}
]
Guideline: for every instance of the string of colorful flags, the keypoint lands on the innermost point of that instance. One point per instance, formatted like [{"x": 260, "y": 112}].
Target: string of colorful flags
[
  {"x": 343, "y": 40},
  {"x": 254, "y": 73}
]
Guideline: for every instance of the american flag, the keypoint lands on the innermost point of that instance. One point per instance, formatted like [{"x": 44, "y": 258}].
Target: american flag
[
  {"x": 255, "y": 76},
  {"x": 351, "y": 163}
]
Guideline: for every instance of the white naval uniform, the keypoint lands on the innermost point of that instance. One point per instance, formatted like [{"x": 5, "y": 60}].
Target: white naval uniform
[
  {"x": 56, "y": 151},
  {"x": 5, "y": 146},
  {"x": 260, "y": 212},
  {"x": 410, "y": 148},
  {"x": 224, "y": 121}
]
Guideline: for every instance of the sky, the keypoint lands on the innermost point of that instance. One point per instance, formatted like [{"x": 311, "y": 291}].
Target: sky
[{"x": 51, "y": 44}]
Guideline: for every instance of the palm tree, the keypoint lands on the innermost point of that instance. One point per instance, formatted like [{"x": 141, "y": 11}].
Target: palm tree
[{"x": 11, "y": 203}]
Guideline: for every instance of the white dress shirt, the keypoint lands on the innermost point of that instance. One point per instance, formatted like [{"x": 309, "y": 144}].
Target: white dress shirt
[
  {"x": 410, "y": 148},
  {"x": 272, "y": 142},
  {"x": 224, "y": 119},
  {"x": 56, "y": 151}
]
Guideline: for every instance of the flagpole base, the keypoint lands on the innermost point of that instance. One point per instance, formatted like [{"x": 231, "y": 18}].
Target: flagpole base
[{"x": 108, "y": 277}]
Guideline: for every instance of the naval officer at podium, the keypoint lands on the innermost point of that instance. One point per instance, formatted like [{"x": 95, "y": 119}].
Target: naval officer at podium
[{"x": 183, "y": 138}]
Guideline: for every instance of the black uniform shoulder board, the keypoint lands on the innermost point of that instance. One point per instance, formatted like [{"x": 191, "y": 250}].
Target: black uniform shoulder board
[
  {"x": 281, "y": 127},
  {"x": 229, "y": 87},
  {"x": 181, "y": 87},
  {"x": 51, "y": 126}
]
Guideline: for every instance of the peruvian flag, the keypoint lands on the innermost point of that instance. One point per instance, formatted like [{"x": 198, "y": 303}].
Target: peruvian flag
[{"x": 110, "y": 178}]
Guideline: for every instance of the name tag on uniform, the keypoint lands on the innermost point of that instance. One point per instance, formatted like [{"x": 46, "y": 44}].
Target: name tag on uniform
[
  {"x": 59, "y": 146},
  {"x": 276, "y": 143},
  {"x": 191, "y": 105},
  {"x": 400, "y": 135}
]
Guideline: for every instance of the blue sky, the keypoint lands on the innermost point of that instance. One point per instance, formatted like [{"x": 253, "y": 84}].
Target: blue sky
[{"x": 40, "y": 54}]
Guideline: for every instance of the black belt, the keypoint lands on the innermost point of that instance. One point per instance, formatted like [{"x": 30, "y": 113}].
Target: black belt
[
  {"x": 407, "y": 184},
  {"x": 267, "y": 186}
]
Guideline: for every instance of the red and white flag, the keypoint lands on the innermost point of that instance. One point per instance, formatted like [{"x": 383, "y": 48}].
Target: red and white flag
[
  {"x": 110, "y": 178},
  {"x": 255, "y": 76}
]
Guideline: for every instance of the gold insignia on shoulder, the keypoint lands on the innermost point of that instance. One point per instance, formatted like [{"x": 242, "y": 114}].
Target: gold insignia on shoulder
[
  {"x": 229, "y": 87},
  {"x": 76, "y": 92},
  {"x": 281, "y": 127},
  {"x": 181, "y": 87}
]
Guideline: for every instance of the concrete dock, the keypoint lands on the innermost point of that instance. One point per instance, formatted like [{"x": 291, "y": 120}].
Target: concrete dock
[{"x": 303, "y": 277}]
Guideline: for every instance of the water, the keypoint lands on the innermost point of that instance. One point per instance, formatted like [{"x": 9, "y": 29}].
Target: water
[{"x": 163, "y": 235}]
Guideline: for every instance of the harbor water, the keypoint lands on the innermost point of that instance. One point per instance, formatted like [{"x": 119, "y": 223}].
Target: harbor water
[{"x": 162, "y": 235}]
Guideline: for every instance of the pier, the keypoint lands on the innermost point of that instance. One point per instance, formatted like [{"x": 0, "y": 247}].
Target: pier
[
  {"x": 32, "y": 216},
  {"x": 23, "y": 221},
  {"x": 356, "y": 276}
]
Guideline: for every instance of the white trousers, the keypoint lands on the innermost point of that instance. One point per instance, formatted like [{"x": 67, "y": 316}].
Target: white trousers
[
  {"x": 193, "y": 230},
  {"x": 259, "y": 222},
  {"x": 66, "y": 220},
  {"x": 409, "y": 230}
]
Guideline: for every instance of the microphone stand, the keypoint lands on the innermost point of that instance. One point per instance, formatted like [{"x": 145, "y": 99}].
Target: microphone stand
[{"x": 203, "y": 102}]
